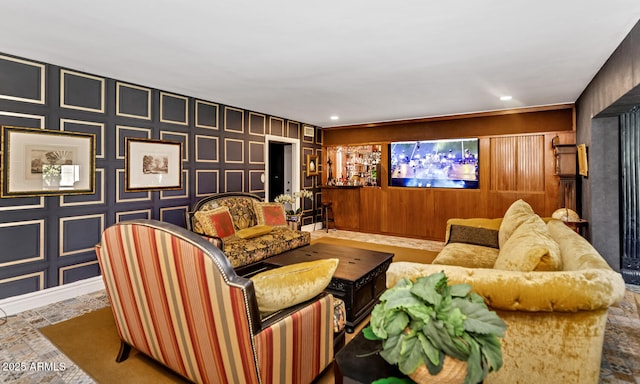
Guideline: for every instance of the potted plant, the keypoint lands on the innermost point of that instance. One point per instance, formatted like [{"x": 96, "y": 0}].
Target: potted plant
[
  {"x": 291, "y": 200},
  {"x": 422, "y": 324}
]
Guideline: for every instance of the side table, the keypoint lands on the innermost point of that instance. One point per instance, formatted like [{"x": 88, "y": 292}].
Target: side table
[
  {"x": 578, "y": 225},
  {"x": 354, "y": 363}
]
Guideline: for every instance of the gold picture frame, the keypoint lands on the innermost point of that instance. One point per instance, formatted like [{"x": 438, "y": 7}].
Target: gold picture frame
[
  {"x": 152, "y": 165},
  {"x": 40, "y": 162},
  {"x": 583, "y": 165},
  {"x": 312, "y": 165}
]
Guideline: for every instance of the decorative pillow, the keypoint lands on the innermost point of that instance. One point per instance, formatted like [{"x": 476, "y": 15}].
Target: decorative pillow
[
  {"x": 270, "y": 214},
  {"x": 475, "y": 222},
  {"x": 467, "y": 255},
  {"x": 530, "y": 248},
  {"x": 517, "y": 213},
  {"x": 255, "y": 231},
  {"x": 473, "y": 235},
  {"x": 293, "y": 284},
  {"x": 216, "y": 222}
]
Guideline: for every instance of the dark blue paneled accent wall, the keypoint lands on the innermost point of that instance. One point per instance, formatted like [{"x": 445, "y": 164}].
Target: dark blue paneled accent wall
[{"x": 48, "y": 241}]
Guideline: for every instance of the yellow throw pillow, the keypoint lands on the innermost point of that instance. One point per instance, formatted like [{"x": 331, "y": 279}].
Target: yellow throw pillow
[
  {"x": 293, "y": 284},
  {"x": 530, "y": 248},
  {"x": 517, "y": 214},
  {"x": 255, "y": 231}
]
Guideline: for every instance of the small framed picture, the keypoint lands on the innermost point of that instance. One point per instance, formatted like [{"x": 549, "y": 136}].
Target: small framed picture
[
  {"x": 312, "y": 165},
  {"x": 308, "y": 134},
  {"x": 308, "y": 131},
  {"x": 152, "y": 165},
  {"x": 40, "y": 162},
  {"x": 583, "y": 165}
]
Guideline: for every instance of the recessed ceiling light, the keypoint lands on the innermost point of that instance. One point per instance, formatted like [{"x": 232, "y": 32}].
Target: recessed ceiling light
[
  {"x": 505, "y": 98},
  {"x": 334, "y": 117}
]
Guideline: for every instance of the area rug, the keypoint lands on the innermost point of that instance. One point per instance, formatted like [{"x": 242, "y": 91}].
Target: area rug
[
  {"x": 92, "y": 341},
  {"x": 400, "y": 253},
  {"x": 621, "y": 349}
]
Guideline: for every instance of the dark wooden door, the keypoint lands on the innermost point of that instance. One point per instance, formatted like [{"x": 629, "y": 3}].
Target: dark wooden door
[{"x": 276, "y": 170}]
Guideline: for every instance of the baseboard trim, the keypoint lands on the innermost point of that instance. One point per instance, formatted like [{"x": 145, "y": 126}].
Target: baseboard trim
[
  {"x": 28, "y": 301},
  {"x": 311, "y": 227}
]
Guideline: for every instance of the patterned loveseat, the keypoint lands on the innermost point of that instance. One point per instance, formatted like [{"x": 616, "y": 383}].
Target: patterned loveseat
[{"x": 248, "y": 214}]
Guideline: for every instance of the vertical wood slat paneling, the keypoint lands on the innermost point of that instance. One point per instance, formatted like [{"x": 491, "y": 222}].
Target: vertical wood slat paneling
[
  {"x": 517, "y": 163},
  {"x": 530, "y": 163},
  {"x": 503, "y": 167}
]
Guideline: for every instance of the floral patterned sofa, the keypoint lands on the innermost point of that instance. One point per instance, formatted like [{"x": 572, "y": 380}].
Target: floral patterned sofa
[{"x": 244, "y": 227}]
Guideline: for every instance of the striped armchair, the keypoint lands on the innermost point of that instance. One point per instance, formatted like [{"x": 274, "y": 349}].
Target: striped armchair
[{"x": 176, "y": 298}]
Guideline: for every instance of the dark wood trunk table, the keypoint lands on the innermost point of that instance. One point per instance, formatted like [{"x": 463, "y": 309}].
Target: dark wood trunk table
[{"x": 359, "y": 279}]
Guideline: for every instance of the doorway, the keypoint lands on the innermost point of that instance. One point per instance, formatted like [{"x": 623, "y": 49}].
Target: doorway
[
  {"x": 282, "y": 168},
  {"x": 279, "y": 169}
]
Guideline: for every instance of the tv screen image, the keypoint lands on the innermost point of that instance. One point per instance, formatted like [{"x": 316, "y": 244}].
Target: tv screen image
[{"x": 451, "y": 163}]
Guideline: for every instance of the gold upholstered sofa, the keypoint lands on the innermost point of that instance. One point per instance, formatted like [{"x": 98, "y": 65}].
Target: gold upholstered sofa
[{"x": 550, "y": 286}]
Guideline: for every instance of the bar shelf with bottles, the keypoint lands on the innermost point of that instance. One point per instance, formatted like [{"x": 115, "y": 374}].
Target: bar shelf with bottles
[
  {"x": 353, "y": 165},
  {"x": 353, "y": 181}
]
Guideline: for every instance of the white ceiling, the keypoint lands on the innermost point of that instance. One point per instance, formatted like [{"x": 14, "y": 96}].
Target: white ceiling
[{"x": 364, "y": 60}]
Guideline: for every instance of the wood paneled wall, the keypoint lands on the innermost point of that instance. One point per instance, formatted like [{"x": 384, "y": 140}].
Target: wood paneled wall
[{"x": 517, "y": 162}]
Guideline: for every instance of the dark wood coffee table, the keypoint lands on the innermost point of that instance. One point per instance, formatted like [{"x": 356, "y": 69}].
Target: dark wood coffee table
[{"x": 359, "y": 279}]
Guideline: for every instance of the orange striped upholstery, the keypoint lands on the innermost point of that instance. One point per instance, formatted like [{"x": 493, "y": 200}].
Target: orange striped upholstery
[
  {"x": 175, "y": 298},
  {"x": 297, "y": 348}
]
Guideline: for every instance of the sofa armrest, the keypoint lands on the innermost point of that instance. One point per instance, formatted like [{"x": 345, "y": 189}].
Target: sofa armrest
[
  {"x": 561, "y": 291},
  {"x": 272, "y": 318}
]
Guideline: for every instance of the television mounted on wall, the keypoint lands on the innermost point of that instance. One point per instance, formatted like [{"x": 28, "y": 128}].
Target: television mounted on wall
[{"x": 445, "y": 163}]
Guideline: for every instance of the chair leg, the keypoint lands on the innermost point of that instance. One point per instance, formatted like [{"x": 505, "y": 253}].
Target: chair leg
[
  {"x": 325, "y": 217},
  {"x": 123, "y": 354},
  {"x": 332, "y": 219}
]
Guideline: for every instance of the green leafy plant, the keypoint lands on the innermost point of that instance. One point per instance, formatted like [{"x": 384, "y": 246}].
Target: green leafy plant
[{"x": 419, "y": 323}]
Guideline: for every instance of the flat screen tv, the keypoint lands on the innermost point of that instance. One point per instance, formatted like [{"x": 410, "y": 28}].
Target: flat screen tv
[{"x": 451, "y": 163}]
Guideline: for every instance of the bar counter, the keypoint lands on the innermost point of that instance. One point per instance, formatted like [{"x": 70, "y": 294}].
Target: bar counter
[{"x": 354, "y": 206}]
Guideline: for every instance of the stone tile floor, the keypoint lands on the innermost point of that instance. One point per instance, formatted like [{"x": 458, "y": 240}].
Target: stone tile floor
[
  {"x": 396, "y": 241},
  {"x": 28, "y": 357}
]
